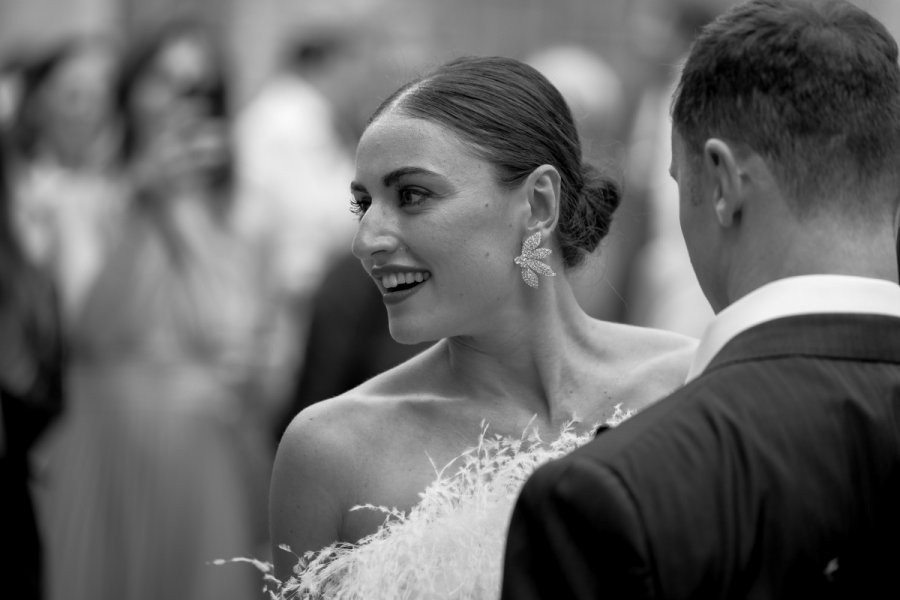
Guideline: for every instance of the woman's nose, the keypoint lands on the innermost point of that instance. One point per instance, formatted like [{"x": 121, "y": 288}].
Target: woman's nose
[{"x": 376, "y": 233}]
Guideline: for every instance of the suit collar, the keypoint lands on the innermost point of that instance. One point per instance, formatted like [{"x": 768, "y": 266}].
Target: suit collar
[
  {"x": 796, "y": 296},
  {"x": 856, "y": 337}
]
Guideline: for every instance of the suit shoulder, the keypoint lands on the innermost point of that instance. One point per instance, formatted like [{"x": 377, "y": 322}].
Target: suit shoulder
[
  {"x": 581, "y": 487},
  {"x": 575, "y": 527},
  {"x": 565, "y": 477}
]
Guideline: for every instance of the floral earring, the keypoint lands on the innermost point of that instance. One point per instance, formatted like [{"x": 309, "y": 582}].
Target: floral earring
[{"x": 530, "y": 260}]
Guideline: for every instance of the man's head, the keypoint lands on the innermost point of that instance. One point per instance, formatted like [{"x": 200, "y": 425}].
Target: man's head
[{"x": 803, "y": 98}]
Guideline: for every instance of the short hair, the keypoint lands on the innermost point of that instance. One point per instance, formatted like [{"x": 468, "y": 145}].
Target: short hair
[
  {"x": 813, "y": 87},
  {"x": 515, "y": 119}
]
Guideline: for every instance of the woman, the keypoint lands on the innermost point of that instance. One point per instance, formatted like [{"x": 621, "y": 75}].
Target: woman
[
  {"x": 473, "y": 205},
  {"x": 161, "y": 465},
  {"x": 68, "y": 189}
]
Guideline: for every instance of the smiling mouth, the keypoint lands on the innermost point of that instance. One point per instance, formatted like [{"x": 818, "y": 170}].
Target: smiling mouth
[{"x": 400, "y": 282}]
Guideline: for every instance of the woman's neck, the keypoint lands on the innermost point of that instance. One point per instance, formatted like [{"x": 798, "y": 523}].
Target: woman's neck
[{"x": 538, "y": 360}]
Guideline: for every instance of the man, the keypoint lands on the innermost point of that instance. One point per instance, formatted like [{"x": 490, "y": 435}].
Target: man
[{"x": 775, "y": 471}]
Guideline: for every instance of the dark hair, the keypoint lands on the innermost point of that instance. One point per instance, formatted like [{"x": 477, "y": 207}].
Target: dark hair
[
  {"x": 513, "y": 118},
  {"x": 33, "y": 75},
  {"x": 31, "y": 347},
  {"x": 35, "y": 71},
  {"x": 140, "y": 60},
  {"x": 10, "y": 252},
  {"x": 315, "y": 51},
  {"x": 814, "y": 88}
]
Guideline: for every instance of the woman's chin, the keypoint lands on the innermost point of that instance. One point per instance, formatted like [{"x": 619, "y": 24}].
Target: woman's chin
[{"x": 409, "y": 334}]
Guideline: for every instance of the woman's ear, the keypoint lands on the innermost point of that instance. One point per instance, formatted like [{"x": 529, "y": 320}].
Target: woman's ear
[
  {"x": 543, "y": 191},
  {"x": 722, "y": 166}
]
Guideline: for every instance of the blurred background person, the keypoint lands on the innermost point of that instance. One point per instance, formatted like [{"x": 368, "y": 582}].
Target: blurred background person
[
  {"x": 295, "y": 162},
  {"x": 11, "y": 68},
  {"x": 161, "y": 465},
  {"x": 295, "y": 158},
  {"x": 663, "y": 290},
  {"x": 67, "y": 189},
  {"x": 32, "y": 362}
]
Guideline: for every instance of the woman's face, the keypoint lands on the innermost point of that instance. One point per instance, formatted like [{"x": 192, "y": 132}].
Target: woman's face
[
  {"x": 173, "y": 93},
  {"x": 437, "y": 233},
  {"x": 77, "y": 99},
  {"x": 173, "y": 107}
]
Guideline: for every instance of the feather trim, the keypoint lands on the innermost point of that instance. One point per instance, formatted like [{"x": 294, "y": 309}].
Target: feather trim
[{"x": 451, "y": 544}]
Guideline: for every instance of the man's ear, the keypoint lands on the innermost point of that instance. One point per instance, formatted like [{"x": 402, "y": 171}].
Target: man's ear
[
  {"x": 722, "y": 165},
  {"x": 542, "y": 188}
]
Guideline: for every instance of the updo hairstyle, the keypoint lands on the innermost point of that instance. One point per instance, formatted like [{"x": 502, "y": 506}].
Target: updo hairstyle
[{"x": 514, "y": 118}]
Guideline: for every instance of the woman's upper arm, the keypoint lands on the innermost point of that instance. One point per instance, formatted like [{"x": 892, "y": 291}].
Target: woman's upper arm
[{"x": 306, "y": 497}]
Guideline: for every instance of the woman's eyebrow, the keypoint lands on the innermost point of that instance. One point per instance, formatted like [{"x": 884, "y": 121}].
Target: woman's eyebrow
[{"x": 392, "y": 177}]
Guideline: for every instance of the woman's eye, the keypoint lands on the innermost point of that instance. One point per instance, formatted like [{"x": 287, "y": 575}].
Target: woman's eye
[
  {"x": 358, "y": 206},
  {"x": 413, "y": 196}
]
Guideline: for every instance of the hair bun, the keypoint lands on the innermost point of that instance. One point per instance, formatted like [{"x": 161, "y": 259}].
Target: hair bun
[{"x": 589, "y": 214}]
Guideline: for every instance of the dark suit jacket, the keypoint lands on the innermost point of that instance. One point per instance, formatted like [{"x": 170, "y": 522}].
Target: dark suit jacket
[
  {"x": 775, "y": 474},
  {"x": 29, "y": 406}
]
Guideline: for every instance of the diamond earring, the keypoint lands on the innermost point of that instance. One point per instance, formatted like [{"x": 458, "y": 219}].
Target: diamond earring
[{"x": 530, "y": 260}]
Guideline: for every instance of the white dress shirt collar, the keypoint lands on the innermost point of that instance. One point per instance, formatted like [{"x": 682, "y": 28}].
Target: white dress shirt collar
[{"x": 802, "y": 295}]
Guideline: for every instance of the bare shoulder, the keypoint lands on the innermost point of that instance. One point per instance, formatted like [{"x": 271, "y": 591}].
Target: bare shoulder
[
  {"x": 324, "y": 430},
  {"x": 334, "y": 429},
  {"x": 327, "y": 459},
  {"x": 363, "y": 413},
  {"x": 330, "y": 442},
  {"x": 311, "y": 478},
  {"x": 665, "y": 351},
  {"x": 367, "y": 445},
  {"x": 654, "y": 362}
]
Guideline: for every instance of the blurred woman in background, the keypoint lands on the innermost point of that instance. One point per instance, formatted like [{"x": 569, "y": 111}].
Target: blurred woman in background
[
  {"x": 162, "y": 464},
  {"x": 66, "y": 139}
]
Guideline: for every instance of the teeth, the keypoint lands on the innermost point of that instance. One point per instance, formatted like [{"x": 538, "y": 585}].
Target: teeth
[{"x": 394, "y": 279}]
